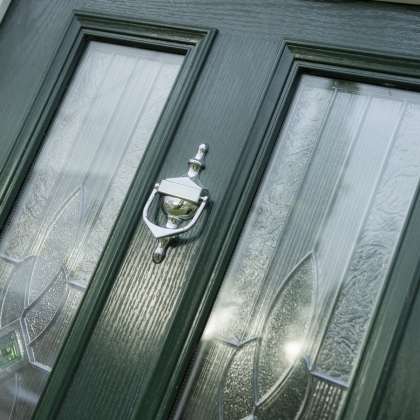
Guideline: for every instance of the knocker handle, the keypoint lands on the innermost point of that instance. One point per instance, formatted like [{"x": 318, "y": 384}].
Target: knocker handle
[
  {"x": 184, "y": 199},
  {"x": 164, "y": 232}
]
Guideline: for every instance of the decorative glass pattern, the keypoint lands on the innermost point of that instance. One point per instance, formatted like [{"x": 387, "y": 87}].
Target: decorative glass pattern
[
  {"x": 289, "y": 324},
  {"x": 62, "y": 219}
]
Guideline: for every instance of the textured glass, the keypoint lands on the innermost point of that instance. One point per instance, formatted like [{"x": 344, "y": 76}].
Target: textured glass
[
  {"x": 71, "y": 199},
  {"x": 289, "y": 324}
]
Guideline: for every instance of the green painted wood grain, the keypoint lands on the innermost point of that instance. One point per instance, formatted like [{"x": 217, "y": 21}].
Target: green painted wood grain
[
  {"x": 357, "y": 24},
  {"x": 400, "y": 399}
]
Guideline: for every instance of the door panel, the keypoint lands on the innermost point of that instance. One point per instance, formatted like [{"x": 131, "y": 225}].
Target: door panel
[
  {"x": 160, "y": 312},
  {"x": 287, "y": 329}
]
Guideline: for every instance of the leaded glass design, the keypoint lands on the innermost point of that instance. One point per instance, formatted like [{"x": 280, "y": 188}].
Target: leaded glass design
[
  {"x": 289, "y": 324},
  {"x": 71, "y": 199}
]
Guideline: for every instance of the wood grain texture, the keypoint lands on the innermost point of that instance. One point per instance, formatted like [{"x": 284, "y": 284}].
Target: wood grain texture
[
  {"x": 397, "y": 403},
  {"x": 364, "y": 26},
  {"x": 29, "y": 36},
  {"x": 136, "y": 321}
]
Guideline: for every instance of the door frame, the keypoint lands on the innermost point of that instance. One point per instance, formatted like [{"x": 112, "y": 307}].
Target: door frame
[{"x": 294, "y": 58}]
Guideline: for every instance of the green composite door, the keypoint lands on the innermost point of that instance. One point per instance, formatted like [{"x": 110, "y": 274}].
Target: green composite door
[{"x": 311, "y": 108}]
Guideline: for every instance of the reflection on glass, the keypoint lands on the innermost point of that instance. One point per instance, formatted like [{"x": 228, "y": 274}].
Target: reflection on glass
[
  {"x": 71, "y": 199},
  {"x": 294, "y": 310}
]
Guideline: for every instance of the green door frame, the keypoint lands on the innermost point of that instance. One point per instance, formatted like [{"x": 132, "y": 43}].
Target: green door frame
[{"x": 293, "y": 58}]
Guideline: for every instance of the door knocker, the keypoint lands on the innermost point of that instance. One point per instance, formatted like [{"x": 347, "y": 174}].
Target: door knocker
[{"x": 183, "y": 200}]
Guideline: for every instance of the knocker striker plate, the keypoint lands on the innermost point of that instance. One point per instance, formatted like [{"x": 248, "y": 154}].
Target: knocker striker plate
[{"x": 183, "y": 200}]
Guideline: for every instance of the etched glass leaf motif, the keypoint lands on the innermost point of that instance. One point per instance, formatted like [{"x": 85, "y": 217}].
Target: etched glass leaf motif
[
  {"x": 48, "y": 283},
  {"x": 256, "y": 374},
  {"x": 286, "y": 327},
  {"x": 56, "y": 245},
  {"x": 237, "y": 393},
  {"x": 12, "y": 298},
  {"x": 38, "y": 284}
]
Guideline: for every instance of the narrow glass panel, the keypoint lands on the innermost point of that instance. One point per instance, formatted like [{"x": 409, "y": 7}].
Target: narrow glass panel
[
  {"x": 63, "y": 217},
  {"x": 289, "y": 324}
]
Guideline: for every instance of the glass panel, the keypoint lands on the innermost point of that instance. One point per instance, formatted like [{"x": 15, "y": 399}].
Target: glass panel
[
  {"x": 289, "y": 324},
  {"x": 63, "y": 217}
]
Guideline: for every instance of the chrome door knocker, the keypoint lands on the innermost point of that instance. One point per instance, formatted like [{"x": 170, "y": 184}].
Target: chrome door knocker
[{"x": 184, "y": 199}]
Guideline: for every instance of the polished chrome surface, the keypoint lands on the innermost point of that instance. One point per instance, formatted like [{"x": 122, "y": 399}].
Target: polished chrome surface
[
  {"x": 178, "y": 208},
  {"x": 183, "y": 199},
  {"x": 189, "y": 190},
  {"x": 197, "y": 164},
  {"x": 170, "y": 227}
]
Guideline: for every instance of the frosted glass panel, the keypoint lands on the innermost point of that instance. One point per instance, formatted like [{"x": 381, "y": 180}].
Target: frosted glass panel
[
  {"x": 290, "y": 321},
  {"x": 62, "y": 219}
]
